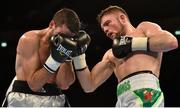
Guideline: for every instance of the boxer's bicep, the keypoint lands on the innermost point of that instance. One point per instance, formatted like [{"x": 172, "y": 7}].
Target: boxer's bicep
[{"x": 28, "y": 55}]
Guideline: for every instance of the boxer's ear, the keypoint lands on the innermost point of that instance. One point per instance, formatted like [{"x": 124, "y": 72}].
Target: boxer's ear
[
  {"x": 52, "y": 24},
  {"x": 122, "y": 18}
]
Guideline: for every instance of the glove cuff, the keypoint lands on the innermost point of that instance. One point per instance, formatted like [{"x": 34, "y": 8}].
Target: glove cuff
[
  {"x": 51, "y": 65},
  {"x": 140, "y": 43},
  {"x": 79, "y": 62}
]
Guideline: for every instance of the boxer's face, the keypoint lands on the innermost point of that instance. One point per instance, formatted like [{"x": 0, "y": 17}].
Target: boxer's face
[
  {"x": 111, "y": 25},
  {"x": 62, "y": 29}
]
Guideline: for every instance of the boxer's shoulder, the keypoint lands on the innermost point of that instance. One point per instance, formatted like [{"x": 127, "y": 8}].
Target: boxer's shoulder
[
  {"x": 27, "y": 41},
  {"x": 30, "y": 36}
]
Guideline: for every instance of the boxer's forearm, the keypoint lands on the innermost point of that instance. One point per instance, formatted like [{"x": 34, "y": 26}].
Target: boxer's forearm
[
  {"x": 37, "y": 79},
  {"x": 65, "y": 75},
  {"x": 86, "y": 80},
  {"x": 91, "y": 80},
  {"x": 162, "y": 42}
]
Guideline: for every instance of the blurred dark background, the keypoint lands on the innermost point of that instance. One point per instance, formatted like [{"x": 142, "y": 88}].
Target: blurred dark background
[{"x": 19, "y": 16}]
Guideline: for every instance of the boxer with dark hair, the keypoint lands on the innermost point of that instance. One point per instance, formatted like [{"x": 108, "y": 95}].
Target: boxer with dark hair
[{"x": 43, "y": 67}]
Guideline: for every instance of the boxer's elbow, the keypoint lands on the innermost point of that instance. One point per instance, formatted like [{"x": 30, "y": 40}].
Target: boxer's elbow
[
  {"x": 89, "y": 89},
  {"x": 169, "y": 44},
  {"x": 65, "y": 85},
  {"x": 72, "y": 80},
  {"x": 34, "y": 87},
  {"x": 174, "y": 44}
]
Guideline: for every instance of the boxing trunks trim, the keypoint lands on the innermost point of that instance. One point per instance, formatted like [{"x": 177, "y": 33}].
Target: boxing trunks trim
[
  {"x": 140, "y": 89},
  {"x": 47, "y": 89},
  {"x": 138, "y": 72},
  {"x": 138, "y": 80}
]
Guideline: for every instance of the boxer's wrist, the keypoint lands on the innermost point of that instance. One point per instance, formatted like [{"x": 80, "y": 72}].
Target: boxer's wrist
[
  {"x": 79, "y": 62},
  {"x": 140, "y": 43},
  {"x": 51, "y": 65}
]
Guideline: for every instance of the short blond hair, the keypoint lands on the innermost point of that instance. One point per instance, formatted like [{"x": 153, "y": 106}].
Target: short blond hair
[{"x": 110, "y": 9}]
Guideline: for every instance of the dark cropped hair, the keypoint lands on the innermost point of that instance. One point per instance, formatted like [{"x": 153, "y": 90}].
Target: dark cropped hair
[
  {"x": 69, "y": 18},
  {"x": 110, "y": 9}
]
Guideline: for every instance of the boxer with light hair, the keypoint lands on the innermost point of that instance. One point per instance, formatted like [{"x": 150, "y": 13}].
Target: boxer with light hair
[{"x": 135, "y": 59}]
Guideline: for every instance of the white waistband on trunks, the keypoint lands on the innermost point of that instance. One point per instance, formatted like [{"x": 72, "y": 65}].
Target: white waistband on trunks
[{"x": 138, "y": 81}]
